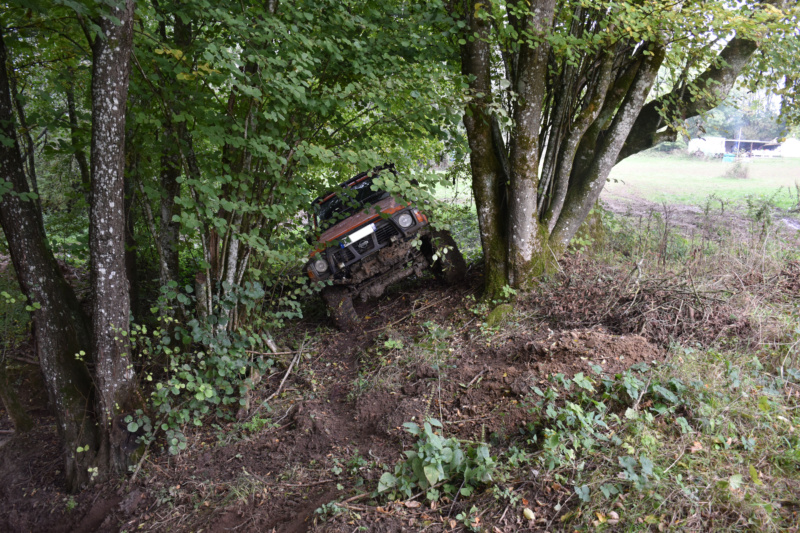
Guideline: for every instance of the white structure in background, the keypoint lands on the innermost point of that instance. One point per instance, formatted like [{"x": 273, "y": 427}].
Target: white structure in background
[
  {"x": 791, "y": 148},
  {"x": 707, "y": 145},
  {"x": 718, "y": 146}
]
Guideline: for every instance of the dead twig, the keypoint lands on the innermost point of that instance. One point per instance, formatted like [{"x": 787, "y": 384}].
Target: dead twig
[{"x": 268, "y": 353}]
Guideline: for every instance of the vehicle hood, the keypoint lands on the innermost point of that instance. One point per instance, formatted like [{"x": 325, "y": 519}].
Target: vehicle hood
[{"x": 361, "y": 217}]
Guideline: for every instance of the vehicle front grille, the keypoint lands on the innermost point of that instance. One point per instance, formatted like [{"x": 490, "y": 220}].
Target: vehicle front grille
[
  {"x": 386, "y": 232},
  {"x": 343, "y": 255},
  {"x": 364, "y": 245}
]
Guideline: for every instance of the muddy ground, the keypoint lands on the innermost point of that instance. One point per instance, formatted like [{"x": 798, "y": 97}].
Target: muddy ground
[{"x": 340, "y": 415}]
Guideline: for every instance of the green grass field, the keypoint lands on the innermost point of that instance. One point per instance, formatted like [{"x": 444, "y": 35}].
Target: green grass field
[{"x": 687, "y": 180}]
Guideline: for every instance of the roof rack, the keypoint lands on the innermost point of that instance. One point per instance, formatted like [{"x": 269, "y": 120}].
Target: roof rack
[{"x": 356, "y": 179}]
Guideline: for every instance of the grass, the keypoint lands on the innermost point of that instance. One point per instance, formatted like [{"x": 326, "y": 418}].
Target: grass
[{"x": 687, "y": 180}]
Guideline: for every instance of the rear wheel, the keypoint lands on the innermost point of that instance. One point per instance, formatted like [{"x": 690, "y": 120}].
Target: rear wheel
[
  {"x": 446, "y": 260},
  {"x": 340, "y": 303}
]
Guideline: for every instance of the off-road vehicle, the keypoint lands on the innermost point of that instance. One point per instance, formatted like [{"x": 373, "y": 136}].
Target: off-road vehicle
[{"x": 367, "y": 239}]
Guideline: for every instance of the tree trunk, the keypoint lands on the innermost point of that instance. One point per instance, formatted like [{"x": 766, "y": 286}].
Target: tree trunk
[
  {"x": 577, "y": 114},
  {"x": 585, "y": 187},
  {"x": 60, "y": 326},
  {"x": 30, "y": 147},
  {"x": 114, "y": 375},
  {"x": 170, "y": 189},
  {"x": 527, "y": 257},
  {"x": 74, "y": 135},
  {"x": 488, "y": 177}
]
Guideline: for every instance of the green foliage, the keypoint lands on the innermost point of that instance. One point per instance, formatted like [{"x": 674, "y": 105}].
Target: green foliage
[
  {"x": 706, "y": 428},
  {"x": 189, "y": 384},
  {"x": 14, "y": 314},
  {"x": 438, "y": 466}
]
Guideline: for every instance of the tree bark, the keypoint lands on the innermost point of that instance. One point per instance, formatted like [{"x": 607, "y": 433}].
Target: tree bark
[
  {"x": 527, "y": 242},
  {"x": 487, "y": 170},
  {"x": 59, "y": 324},
  {"x": 585, "y": 187},
  {"x": 114, "y": 375},
  {"x": 718, "y": 79},
  {"x": 30, "y": 146}
]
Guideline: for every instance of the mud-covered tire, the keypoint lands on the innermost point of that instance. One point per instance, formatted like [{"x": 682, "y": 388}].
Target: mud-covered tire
[
  {"x": 340, "y": 303},
  {"x": 449, "y": 265}
]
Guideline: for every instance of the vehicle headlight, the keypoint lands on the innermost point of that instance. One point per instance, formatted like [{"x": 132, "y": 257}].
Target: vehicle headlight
[
  {"x": 320, "y": 265},
  {"x": 405, "y": 220}
]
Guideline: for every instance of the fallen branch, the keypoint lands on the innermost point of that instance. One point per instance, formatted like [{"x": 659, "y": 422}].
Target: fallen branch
[
  {"x": 288, "y": 371},
  {"x": 24, "y": 360}
]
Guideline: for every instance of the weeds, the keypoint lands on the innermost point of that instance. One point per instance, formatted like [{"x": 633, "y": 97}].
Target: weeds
[{"x": 438, "y": 466}]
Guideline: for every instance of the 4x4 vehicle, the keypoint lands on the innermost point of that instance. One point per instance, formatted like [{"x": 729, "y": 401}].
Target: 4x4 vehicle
[{"x": 366, "y": 241}]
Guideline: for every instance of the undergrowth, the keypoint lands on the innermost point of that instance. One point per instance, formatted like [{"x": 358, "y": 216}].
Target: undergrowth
[{"x": 707, "y": 440}]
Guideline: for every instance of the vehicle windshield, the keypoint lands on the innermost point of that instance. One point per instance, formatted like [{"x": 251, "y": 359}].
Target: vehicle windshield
[{"x": 348, "y": 201}]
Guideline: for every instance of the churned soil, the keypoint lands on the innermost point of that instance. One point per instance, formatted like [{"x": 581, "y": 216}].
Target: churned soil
[{"x": 340, "y": 414}]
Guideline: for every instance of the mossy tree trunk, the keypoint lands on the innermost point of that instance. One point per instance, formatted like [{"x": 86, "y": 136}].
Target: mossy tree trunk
[{"x": 545, "y": 128}]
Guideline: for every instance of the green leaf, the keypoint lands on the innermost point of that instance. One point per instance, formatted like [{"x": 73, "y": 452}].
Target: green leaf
[
  {"x": 386, "y": 482},
  {"x": 133, "y": 427},
  {"x": 764, "y": 405},
  {"x": 583, "y": 382},
  {"x": 735, "y": 481},
  {"x": 412, "y": 428},
  {"x": 583, "y": 493},
  {"x": 754, "y": 475},
  {"x": 647, "y": 465},
  {"x": 431, "y": 474}
]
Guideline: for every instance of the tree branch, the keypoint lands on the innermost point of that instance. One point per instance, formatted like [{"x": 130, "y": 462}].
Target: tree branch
[{"x": 716, "y": 82}]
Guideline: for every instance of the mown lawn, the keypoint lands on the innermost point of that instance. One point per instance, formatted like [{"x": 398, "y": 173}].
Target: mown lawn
[{"x": 688, "y": 180}]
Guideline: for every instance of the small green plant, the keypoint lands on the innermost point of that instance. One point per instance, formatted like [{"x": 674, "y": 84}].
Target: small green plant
[
  {"x": 256, "y": 424},
  {"x": 70, "y": 504},
  {"x": 470, "y": 519},
  {"x": 438, "y": 466}
]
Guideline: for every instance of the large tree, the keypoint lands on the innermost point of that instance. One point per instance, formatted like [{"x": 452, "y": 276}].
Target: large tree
[
  {"x": 85, "y": 362},
  {"x": 114, "y": 374},
  {"x": 561, "y": 90},
  {"x": 60, "y": 326}
]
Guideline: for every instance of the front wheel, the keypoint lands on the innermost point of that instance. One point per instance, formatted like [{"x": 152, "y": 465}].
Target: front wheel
[
  {"x": 446, "y": 260},
  {"x": 340, "y": 303}
]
